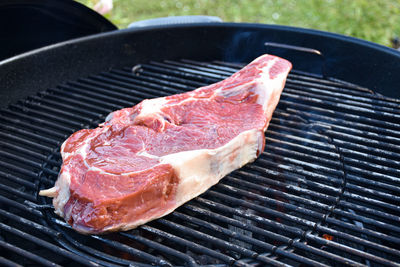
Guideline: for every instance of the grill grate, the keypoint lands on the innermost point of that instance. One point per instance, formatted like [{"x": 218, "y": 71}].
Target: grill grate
[{"x": 326, "y": 191}]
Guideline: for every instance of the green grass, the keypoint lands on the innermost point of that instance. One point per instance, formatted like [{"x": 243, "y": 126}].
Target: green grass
[{"x": 374, "y": 20}]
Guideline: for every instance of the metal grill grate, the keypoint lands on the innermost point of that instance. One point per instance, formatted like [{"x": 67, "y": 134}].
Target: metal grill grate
[{"x": 326, "y": 191}]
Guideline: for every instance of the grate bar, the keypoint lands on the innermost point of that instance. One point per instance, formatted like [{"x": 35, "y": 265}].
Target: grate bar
[
  {"x": 123, "y": 88},
  {"x": 369, "y": 211},
  {"x": 347, "y": 96},
  {"x": 349, "y": 120},
  {"x": 210, "y": 71},
  {"x": 33, "y": 128},
  {"x": 354, "y": 131},
  {"x": 152, "y": 80},
  {"x": 265, "y": 163},
  {"x": 347, "y": 249},
  {"x": 367, "y": 191},
  {"x": 32, "y": 225},
  {"x": 99, "y": 89},
  {"x": 135, "y": 84},
  {"x": 325, "y": 254},
  {"x": 184, "y": 77},
  {"x": 46, "y": 244},
  {"x": 217, "y": 228},
  {"x": 50, "y": 172},
  {"x": 287, "y": 187},
  {"x": 382, "y": 155},
  {"x": 336, "y": 84},
  {"x": 20, "y": 117},
  {"x": 192, "y": 245},
  {"x": 298, "y": 258},
  {"x": 57, "y": 112},
  {"x": 111, "y": 243},
  {"x": 306, "y": 165},
  {"x": 270, "y": 191},
  {"x": 244, "y": 193},
  {"x": 372, "y": 114},
  {"x": 238, "y": 223},
  {"x": 215, "y": 241},
  {"x": 147, "y": 82},
  {"x": 289, "y": 229},
  {"x": 357, "y": 240},
  {"x": 22, "y": 150},
  {"x": 166, "y": 76},
  {"x": 314, "y": 157},
  {"x": 21, "y": 159},
  {"x": 48, "y": 116},
  {"x": 72, "y": 92},
  {"x": 137, "y": 80},
  {"x": 326, "y": 154},
  {"x": 23, "y": 171},
  {"x": 24, "y": 141},
  {"x": 74, "y": 102},
  {"x": 17, "y": 180},
  {"x": 26, "y": 254},
  {"x": 351, "y": 91},
  {"x": 271, "y": 201},
  {"x": 379, "y": 167},
  {"x": 366, "y": 122},
  {"x": 340, "y": 101},
  {"x": 189, "y": 261},
  {"x": 132, "y": 251},
  {"x": 224, "y": 74},
  {"x": 292, "y": 138},
  {"x": 90, "y": 91},
  {"x": 5, "y": 262},
  {"x": 227, "y": 68},
  {"x": 17, "y": 192},
  {"x": 362, "y": 230},
  {"x": 206, "y": 74},
  {"x": 61, "y": 105},
  {"x": 372, "y": 201}
]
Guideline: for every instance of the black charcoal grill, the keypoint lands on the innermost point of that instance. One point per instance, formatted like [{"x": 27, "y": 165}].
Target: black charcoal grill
[{"x": 326, "y": 191}]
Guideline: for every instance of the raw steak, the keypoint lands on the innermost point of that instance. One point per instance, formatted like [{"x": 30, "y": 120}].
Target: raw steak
[{"x": 145, "y": 161}]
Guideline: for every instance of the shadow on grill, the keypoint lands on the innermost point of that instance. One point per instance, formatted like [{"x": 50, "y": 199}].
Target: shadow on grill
[{"x": 325, "y": 191}]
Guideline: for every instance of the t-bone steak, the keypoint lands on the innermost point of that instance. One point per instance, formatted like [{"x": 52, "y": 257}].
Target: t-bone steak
[{"x": 145, "y": 161}]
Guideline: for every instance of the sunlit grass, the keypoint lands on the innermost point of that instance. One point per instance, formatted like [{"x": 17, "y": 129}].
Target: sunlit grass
[{"x": 376, "y": 21}]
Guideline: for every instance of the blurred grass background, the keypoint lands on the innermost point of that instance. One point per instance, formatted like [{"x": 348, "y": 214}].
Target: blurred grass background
[{"x": 373, "y": 20}]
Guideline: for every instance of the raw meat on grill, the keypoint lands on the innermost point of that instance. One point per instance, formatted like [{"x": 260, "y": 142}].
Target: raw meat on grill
[{"x": 145, "y": 161}]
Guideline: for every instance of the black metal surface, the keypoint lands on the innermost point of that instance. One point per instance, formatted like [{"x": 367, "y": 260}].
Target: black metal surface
[
  {"x": 31, "y": 24},
  {"x": 330, "y": 171}
]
